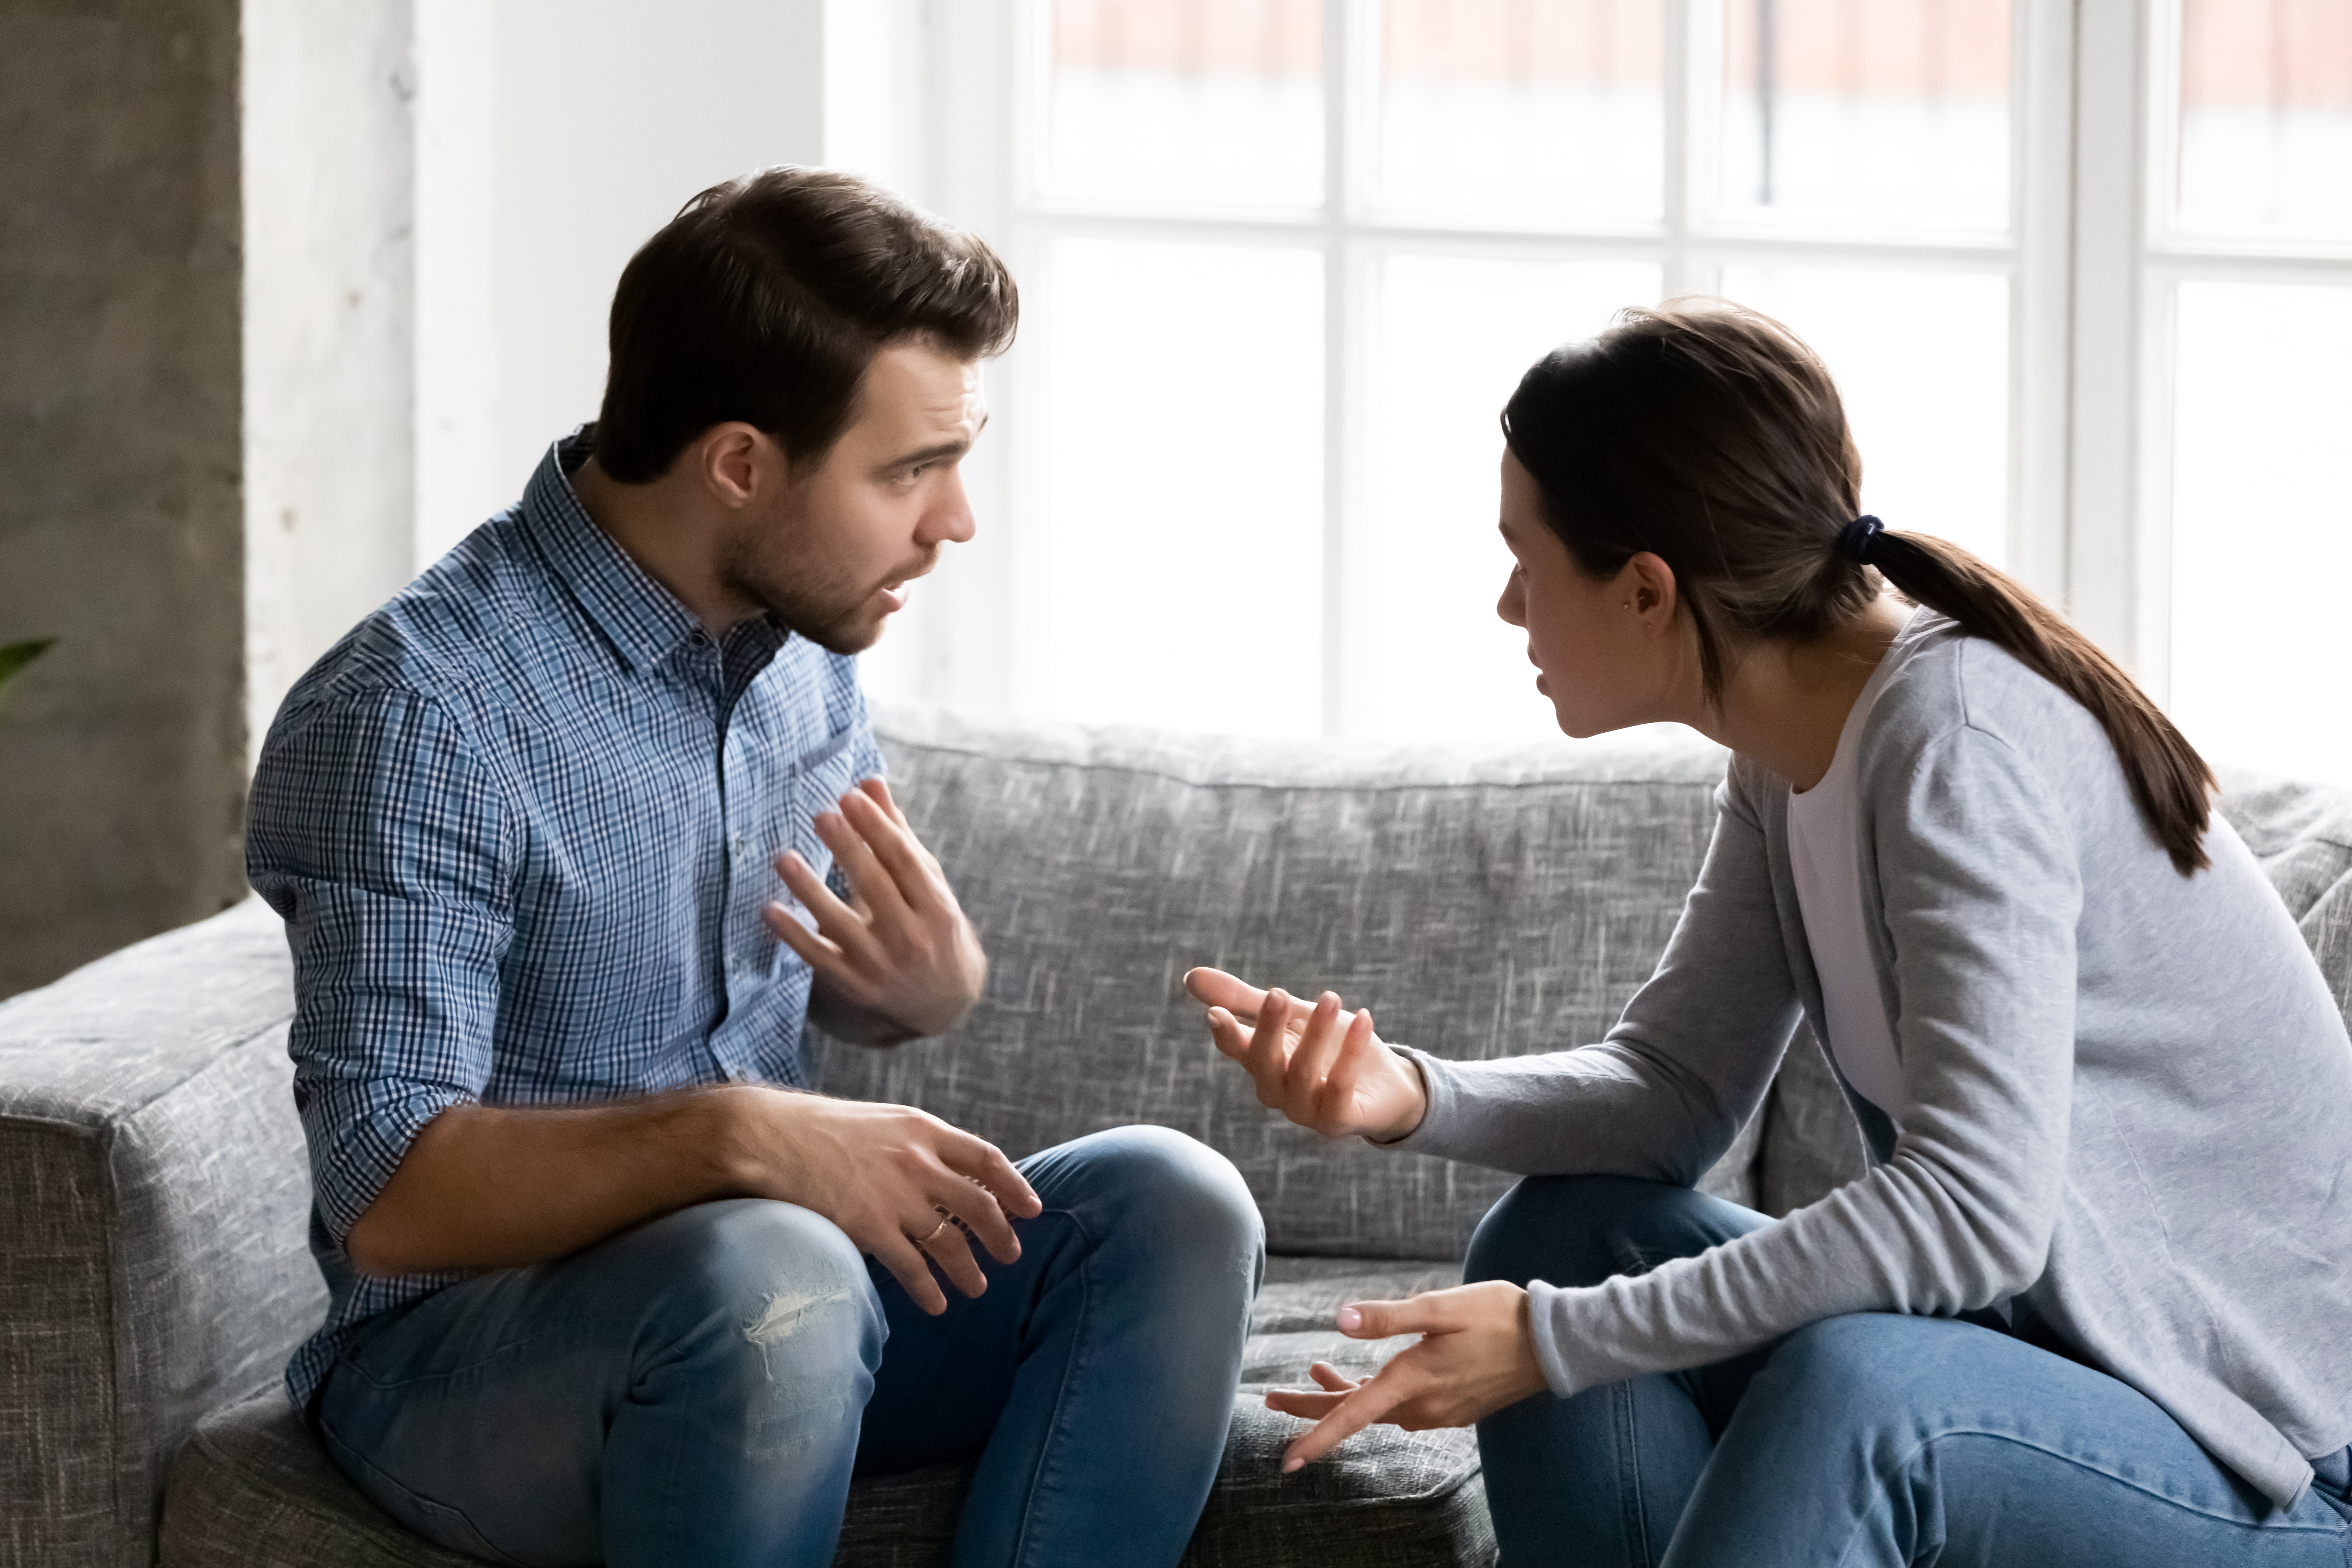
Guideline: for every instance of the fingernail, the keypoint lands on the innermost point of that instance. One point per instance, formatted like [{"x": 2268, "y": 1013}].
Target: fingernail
[
  {"x": 1290, "y": 1464},
  {"x": 1350, "y": 1320}
]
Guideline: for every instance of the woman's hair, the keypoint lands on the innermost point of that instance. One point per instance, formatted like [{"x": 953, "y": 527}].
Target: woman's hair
[{"x": 1708, "y": 435}]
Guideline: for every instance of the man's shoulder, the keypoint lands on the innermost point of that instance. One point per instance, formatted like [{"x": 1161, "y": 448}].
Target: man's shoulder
[{"x": 469, "y": 629}]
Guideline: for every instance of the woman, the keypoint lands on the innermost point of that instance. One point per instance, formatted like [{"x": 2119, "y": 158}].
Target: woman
[{"x": 2090, "y": 1305}]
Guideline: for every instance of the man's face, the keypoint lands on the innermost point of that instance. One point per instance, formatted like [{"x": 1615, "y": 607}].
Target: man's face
[{"x": 830, "y": 559}]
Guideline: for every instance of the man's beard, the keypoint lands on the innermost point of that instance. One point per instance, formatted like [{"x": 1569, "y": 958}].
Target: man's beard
[{"x": 830, "y": 611}]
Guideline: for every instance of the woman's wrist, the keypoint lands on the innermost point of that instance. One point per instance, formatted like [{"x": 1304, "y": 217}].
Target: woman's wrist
[{"x": 1417, "y": 1084}]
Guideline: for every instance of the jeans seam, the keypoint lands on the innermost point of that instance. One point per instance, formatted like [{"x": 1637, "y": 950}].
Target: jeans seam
[
  {"x": 1629, "y": 1469},
  {"x": 1061, "y": 1391},
  {"x": 1845, "y": 1554}
]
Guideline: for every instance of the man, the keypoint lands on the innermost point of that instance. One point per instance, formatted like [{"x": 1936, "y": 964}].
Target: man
[{"x": 593, "y": 1252}]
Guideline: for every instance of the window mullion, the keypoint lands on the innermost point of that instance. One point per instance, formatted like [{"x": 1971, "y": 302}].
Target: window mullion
[
  {"x": 2103, "y": 547},
  {"x": 1342, "y": 178},
  {"x": 2043, "y": 171}
]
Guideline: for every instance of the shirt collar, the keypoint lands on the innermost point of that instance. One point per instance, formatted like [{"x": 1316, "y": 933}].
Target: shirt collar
[{"x": 643, "y": 620}]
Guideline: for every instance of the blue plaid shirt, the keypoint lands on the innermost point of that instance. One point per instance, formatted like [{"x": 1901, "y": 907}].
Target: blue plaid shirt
[{"x": 519, "y": 823}]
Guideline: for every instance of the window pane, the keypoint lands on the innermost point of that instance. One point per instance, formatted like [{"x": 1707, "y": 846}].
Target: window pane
[
  {"x": 1426, "y": 656},
  {"x": 1212, "y": 103},
  {"x": 1181, "y": 456},
  {"x": 2266, "y": 117},
  {"x": 1922, "y": 363},
  {"x": 2261, "y": 525},
  {"x": 1522, "y": 110},
  {"x": 1889, "y": 115}
]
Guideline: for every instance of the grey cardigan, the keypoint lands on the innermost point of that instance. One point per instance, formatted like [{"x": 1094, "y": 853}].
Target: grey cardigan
[{"x": 2132, "y": 1090}]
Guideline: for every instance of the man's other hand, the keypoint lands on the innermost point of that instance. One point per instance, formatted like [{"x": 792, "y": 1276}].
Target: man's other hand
[
  {"x": 900, "y": 1183},
  {"x": 900, "y": 950}
]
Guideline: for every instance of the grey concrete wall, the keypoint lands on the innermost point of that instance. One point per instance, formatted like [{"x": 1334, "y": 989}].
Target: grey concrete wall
[{"x": 122, "y": 508}]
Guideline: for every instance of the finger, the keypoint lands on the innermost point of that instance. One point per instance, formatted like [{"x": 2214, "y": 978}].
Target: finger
[
  {"x": 1422, "y": 1314},
  {"x": 1349, "y": 1417},
  {"x": 1332, "y": 1378},
  {"x": 851, "y": 931},
  {"x": 909, "y": 870},
  {"x": 818, "y": 953},
  {"x": 872, "y": 880},
  {"x": 1269, "y": 1046},
  {"x": 947, "y": 1245},
  {"x": 877, "y": 789},
  {"x": 1229, "y": 1036},
  {"x": 1347, "y": 1074},
  {"x": 1297, "y": 1402},
  {"x": 910, "y": 1266},
  {"x": 1318, "y": 1043},
  {"x": 979, "y": 1214},
  {"x": 1215, "y": 988},
  {"x": 981, "y": 1161}
]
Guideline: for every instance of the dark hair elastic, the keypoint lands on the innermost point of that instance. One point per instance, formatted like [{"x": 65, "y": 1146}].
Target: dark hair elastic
[{"x": 1858, "y": 540}]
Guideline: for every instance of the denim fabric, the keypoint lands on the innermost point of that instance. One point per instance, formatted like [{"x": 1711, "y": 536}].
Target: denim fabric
[
  {"x": 701, "y": 1389},
  {"x": 1873, "y": 1439}
]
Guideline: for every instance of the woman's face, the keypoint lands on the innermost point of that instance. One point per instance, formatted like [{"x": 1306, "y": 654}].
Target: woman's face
[{"x": 1595, "y": 642}]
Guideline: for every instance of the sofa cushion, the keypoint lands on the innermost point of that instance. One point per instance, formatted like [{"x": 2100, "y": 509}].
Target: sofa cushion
[
  {"x": 252, "y": 1488},
  {"x": 1482, "y": 903}
]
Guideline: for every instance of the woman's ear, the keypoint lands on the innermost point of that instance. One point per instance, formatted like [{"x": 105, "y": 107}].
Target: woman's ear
[{"x": 1646, "y": 586}]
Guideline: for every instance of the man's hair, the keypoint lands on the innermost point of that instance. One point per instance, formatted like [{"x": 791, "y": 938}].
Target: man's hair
[{"x": 765, "y": 299}]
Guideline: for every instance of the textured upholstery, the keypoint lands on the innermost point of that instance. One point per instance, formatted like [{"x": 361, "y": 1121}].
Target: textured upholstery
[
  {"x": 1482, "y": 905},
  {"x": 152, "y": 1186},
  {"x": 252, "y": 1487}
]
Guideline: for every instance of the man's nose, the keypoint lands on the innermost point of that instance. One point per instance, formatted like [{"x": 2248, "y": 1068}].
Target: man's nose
[{"x": 948, "y": 519}]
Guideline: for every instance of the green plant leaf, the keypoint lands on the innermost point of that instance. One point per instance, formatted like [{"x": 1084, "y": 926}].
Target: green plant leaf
[{"x": 16, "y": 655}]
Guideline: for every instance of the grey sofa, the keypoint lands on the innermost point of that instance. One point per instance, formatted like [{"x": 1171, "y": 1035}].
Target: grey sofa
[{"x": 153, "y": 1190}]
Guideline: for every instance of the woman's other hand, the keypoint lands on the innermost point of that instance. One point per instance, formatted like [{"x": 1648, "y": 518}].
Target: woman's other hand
[
  {"x": 1321, "y": 1066},
  {"x": 1475, "y": 1357}
]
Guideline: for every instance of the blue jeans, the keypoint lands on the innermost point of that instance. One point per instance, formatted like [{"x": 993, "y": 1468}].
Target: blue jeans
[
  {"x": 702, "y": 1388},
  {"x": 1872, "y": 1439}
]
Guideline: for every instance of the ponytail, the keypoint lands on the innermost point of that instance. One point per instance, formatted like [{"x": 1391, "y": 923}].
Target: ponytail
[
  {"x": 2170, "y": 782},
  {"x": 1710, "y": 436}
]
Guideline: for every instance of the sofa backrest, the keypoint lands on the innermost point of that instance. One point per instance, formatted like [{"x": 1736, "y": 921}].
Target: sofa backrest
[{"x": 1482, "y": 902}]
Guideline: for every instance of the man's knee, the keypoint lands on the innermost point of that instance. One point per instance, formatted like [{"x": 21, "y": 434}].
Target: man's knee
[
  {"x": 1182, "y": 1195},
  {"x": 1581, "y": 1230},
  {"x": 756, "y": 1284}
]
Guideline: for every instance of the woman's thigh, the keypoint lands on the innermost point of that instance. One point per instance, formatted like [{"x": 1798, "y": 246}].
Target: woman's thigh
[{"x": 1886, "y": 1439}]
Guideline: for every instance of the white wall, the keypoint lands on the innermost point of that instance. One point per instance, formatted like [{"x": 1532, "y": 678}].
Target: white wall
[{"x": 328, "y": 183}]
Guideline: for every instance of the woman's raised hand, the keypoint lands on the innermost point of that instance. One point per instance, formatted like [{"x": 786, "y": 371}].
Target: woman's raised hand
[{"x": 1321, "y": 1066}]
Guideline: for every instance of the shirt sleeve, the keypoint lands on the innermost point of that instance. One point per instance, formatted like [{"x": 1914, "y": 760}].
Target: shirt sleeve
[
  {"x": 1981, "y": 890},
  {"x": 377, "y": 834},
  {"x": 1666, "y": 1092}
]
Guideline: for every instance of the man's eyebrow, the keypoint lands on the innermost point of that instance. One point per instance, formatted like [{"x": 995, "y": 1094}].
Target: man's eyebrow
[{"x": 933, "y": 454}]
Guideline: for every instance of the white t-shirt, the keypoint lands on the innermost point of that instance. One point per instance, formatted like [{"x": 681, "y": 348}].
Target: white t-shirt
[{"x": 1825, "y": 858}]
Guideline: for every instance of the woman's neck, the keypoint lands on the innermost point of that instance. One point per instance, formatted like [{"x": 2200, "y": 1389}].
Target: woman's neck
[{"x": 1785, "y": 704}]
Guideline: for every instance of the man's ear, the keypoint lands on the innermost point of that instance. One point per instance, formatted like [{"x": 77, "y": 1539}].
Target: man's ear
[{"x": 740, "y": 465}]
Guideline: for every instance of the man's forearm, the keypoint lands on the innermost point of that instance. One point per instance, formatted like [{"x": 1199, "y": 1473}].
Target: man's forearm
[{"x": 487, "y": 1188}]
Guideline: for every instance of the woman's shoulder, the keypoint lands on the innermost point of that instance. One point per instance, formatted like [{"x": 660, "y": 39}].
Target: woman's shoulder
[{"x": 1952, "y": 688}]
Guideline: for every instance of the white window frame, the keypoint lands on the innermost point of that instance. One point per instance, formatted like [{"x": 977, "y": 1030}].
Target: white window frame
[{"x": 2092, "y": 284}]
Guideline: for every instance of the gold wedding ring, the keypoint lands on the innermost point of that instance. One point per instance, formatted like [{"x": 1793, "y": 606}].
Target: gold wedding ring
[{"x": 925, "y": 1239}]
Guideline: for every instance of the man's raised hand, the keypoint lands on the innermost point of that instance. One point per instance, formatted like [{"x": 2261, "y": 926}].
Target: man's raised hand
[
  {"x": 1321, "y": 1066},
  {"x": 901, "y": 949}
]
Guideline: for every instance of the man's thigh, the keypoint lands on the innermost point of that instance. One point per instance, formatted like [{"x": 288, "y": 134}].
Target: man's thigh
[{"x": 537, "y": 1413}]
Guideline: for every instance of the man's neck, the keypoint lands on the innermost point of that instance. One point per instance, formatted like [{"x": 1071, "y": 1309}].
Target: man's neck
[{"x": 676, "y": 543}]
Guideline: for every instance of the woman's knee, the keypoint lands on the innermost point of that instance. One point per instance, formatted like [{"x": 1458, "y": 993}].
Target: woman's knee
[{"x": 1581, "y": 1230}]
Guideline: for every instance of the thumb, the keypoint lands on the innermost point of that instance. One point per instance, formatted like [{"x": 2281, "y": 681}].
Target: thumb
[{"x": 1381, "y": 1320}]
